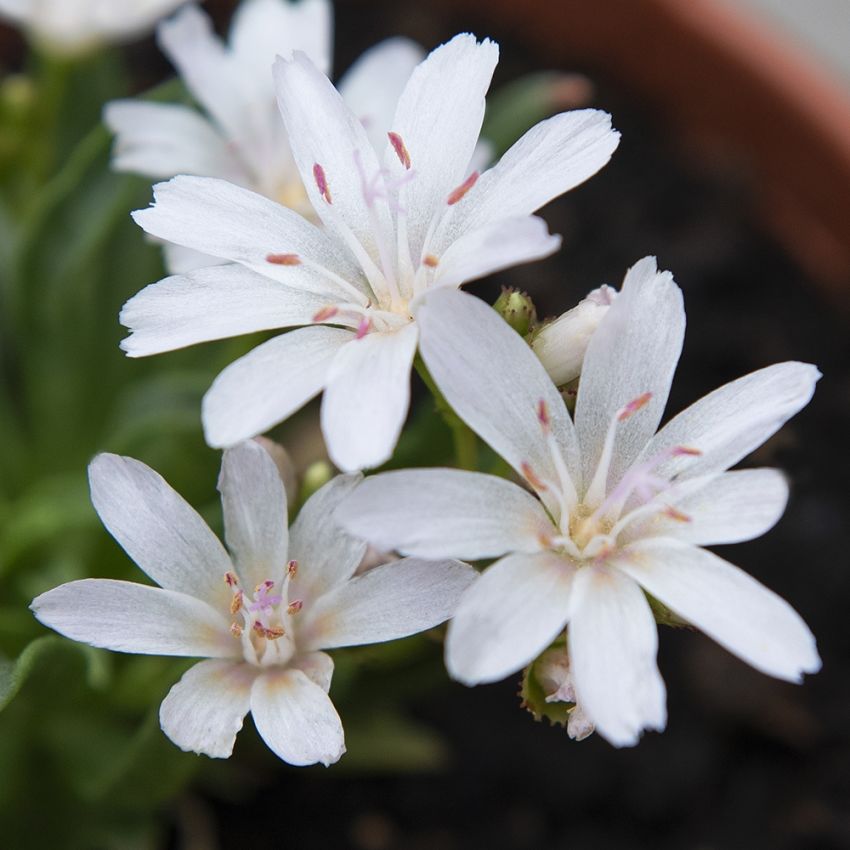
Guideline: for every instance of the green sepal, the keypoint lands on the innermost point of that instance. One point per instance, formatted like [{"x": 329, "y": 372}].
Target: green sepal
[
  {"x": 517, "y": 309},
  {"x": 664, "y": 616}
]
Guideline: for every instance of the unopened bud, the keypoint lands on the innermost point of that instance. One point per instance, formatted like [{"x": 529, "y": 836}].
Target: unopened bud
[
  {"x": 517, "y": 309},
  {"x": 561, "y": 344}
]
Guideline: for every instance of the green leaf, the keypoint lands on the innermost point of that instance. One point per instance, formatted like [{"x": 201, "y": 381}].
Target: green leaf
[{"x": 42, "y": 651}]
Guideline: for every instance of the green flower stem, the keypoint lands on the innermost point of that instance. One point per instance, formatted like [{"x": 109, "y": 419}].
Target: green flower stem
[{"x": 463, "y": 437}]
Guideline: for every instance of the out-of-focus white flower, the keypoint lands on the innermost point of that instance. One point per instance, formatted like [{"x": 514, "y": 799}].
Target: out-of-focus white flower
[
  {"x": 561, "y": 344},
  {"x": 260, "y": 616},
  {"x": 620, "y": 509},
  {"x": 241, "y": 138},
  {"x": 393, "y": 230},
  {"x": 74, "y": 26}
]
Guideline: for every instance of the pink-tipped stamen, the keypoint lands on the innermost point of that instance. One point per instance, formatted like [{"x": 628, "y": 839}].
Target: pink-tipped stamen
[
  {"x": 294, "y": 607},
  {"x": 633, "y": 407},
  {"x": 531, "y": 477},
  {"x": 230, "y": 579},
  {"x": 596, "y": 491},
  {"x": 400, "y": 149},
  {"x": 459, "y": 193},
  {"x": 283, "y": 259},
  {"x": 431, "y": 261},
  {"x": 325, "y": 313},
  {"x": 292, "y": 568},
  {"x": 543, "y": 416},
  {"x": 322, "y": 182}
]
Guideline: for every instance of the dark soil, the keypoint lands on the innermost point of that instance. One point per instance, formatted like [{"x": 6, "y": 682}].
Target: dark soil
[{"x": 746, "y": 761}]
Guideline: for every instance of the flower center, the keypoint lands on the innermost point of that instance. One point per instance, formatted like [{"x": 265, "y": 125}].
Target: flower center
[
  {"x": 263, "y": 620},
  {"x": 588, "y": 528},
  {"x": 394, "y": 279}
]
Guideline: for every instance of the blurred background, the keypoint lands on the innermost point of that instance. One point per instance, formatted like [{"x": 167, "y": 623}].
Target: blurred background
[{"x": 734, "y": 169}]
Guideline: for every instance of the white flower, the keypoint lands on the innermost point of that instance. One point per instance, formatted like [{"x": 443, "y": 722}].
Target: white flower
[
  {"x": 561, "y": 344},
  {"x": 260, "y": 617},
  {"x": 392, "y": 231},
  {"x": 242, "y": 138},
  {"x": 73, "y": 26},
  {"x": 620, "y": 509}
]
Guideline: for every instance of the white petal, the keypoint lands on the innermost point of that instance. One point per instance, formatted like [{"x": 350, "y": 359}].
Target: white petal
[
  {"x": 162, "y": 139},
  {"x": 493, "y": 247},
  {"x": 326, "y": 554},
  {"x": 633, "y": 351},
  {"x": 180, "y": 260},
  {"x": 128, "y": 617},
  {"x": 727, "y": 424},
  {"x": 204, "y": 711},
  {"x": 388, "y": 602},
  {"x": 439, "y": 119},
  {"x": 613, "y": 641},
  {"x": 218, "y": 218},
  {"x": 269, "y": 384},
  {"x": 367, "y": 396},
  {"x": 206, "y": 67},
  {"x": 373, "y": 84},
  {"x": 444, "y": 513},
  {"x": 553, "y": 157},
  {"x": 158, "y": 529},
  {"x": 212, "y": 303},
  {"x": 728, "y": 508},
  {"x": 323, "y": 131},
  {"x": 296, "y": 718},
  {"x": 318, "y": 666},
  {"x": 509, "y": 616},
  {"x": 742, "y": 615},
  {"x": 494, "y": 382},
  {"x": 255, "y": 519},
  {"x": 262, "y": 29}
]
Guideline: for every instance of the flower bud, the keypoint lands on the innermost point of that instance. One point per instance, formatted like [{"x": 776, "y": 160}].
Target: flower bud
[
  {"x": 547, "y": 691},
  {"x": 561, "y": 343},
  {"x": 517, "y": 309}
]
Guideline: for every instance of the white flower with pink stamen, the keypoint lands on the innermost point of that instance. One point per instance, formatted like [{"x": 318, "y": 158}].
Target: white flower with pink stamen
[
  {"x": 620, "y": 510},
  {"x": 241, "y": 136},
  {"x": 395, "y": 227},
  {"x": 261, "y": 616}
]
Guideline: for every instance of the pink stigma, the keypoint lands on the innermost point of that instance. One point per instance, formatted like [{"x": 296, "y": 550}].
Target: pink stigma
[
  {"x": 460, "y": 192},
  {"x": 633, "y": 407},
  {"x": 321, "y": 182},
  {"x": 400, "y": 149},
  {"x": 265, "y": 599},
  {"x": 283, "y": 259}
]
